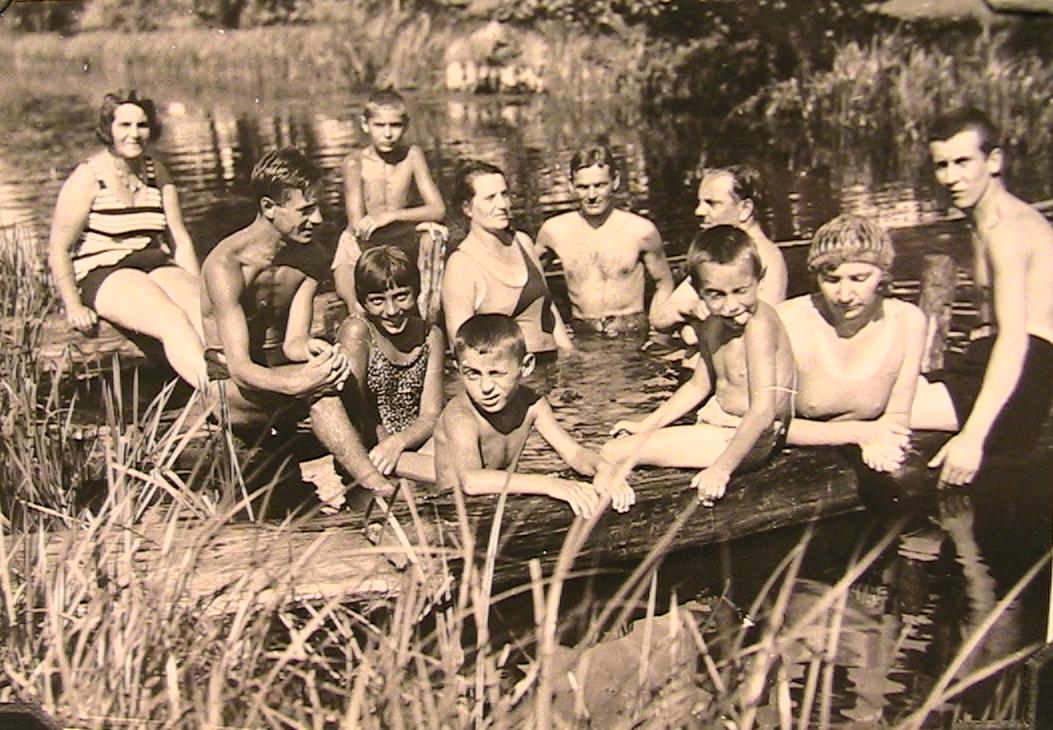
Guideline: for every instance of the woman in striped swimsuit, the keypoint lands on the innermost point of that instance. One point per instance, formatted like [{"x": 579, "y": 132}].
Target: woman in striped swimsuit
[{"x": 109, "y": 253}]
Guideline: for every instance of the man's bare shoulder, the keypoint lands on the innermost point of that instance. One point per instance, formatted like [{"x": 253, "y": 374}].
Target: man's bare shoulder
[
  {"x": 1019, "y": 222},
  {"x": 637, "y": 224},
  {"x": 560, "y": 224}
]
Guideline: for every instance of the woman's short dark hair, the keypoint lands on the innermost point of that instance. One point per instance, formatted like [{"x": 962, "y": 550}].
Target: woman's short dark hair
[
  {"x": 464, "y": 185},
  {"x": 384, "y": 267},
  {"x": 110, "y": 102}
]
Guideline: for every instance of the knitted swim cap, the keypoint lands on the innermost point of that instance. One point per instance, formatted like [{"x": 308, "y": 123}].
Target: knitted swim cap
[{"x": 852, "y": 238}]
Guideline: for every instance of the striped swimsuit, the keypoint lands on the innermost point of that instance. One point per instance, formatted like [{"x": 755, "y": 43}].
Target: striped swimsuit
[{"x": 114, "y": 230}]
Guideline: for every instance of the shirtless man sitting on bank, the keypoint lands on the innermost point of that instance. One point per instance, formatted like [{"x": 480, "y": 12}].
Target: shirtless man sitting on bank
[
  {"x": 999, "y": 395},
  {"x": 256, "y": 308},
  {"x": 604, "y": 250}
]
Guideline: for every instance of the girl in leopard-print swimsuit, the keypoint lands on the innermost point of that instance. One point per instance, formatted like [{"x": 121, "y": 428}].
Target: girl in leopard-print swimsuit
[{"x": 396, "y": 358}]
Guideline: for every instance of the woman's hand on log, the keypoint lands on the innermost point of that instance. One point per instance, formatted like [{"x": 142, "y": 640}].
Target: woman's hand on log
[
  {"x": 81, "y": 318},
  {"x": 883, "y": 444}
]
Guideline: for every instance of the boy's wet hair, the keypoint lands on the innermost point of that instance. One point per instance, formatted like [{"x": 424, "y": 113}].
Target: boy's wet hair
[
  {"x": 281, "y": 171},
  {"x": 386, "y": 98},
  {"x": 110, "y": 102},
  {"x": 850, "y": 238},
  {"x": 464, "y": 184},
  {"x": 597, "y": 154},
  {"x": 384, "y": 267},
  {"x": 745, "y": 182},
  {"x": 721, "y": 245},
  {"x": 947, "y": 125},
  {"x": 487, "y": 333}
]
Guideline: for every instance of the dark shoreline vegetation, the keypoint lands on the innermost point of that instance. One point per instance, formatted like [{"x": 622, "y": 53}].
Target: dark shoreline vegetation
[{"x": 87, "y": 634}]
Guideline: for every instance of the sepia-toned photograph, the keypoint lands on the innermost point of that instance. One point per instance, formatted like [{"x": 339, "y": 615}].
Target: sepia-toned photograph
[{"x": 537, "y": 364}]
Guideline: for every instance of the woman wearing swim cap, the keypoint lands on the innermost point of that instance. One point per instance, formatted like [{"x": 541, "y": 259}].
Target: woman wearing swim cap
[{"x": 858, "y": 353}]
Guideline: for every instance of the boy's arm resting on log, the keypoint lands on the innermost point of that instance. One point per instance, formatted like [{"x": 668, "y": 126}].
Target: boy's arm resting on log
[
  {"x": 354, "y": 198},
  {"x": 577, "y": 457},
  {"x": 71, "y": 215},
  {"x": 458, "y": 465},
  {"x": 960, "y": 457},
  {"x": 433, "y": 208},
  {"x": 761, "y": 337}
]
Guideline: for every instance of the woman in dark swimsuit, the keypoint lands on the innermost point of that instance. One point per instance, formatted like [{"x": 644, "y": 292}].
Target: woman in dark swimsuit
[
  {"x": 119, "y": 249},
  {"x": 494, "y": 269}
]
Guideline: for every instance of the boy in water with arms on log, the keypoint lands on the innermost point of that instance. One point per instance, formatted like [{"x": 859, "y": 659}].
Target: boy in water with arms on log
[
  {"x": 1000, "y": 394},
  {"x": 482, "y": 430},
  {"x": 257, "y": 305},
  {"x": 746, "y": 370},
  {"x": 378, "y": 180},
  {"x": 605, "y": 250}
]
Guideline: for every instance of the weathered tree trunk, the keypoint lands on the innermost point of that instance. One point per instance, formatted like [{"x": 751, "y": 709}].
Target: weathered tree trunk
[{"x": 938, "y": 278}]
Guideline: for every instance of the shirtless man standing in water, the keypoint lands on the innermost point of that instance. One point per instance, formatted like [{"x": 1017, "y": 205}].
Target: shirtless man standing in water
[
  {"x": 256, "y": 309},
  {"x": 1000, "y": 395},
  {"x": 604, "y": 250}
]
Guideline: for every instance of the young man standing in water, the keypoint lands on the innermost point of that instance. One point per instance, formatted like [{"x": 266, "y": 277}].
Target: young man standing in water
[
  {"x": 726, "y": 196},
  {"x": 999, "y": 396},
  {"x": 604, "y": 250},
  {"x": 256, "y": 308}
]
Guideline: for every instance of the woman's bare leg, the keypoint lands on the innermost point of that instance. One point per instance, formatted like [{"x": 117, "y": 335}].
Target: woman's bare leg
[{"x": 131, "y": 299}]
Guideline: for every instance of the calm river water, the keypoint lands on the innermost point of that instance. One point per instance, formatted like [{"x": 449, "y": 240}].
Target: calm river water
[{"x": 955, "y": 556}]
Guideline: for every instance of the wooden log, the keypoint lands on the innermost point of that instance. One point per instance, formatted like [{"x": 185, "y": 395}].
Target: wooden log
[
  {"x": 67, "y": 352},
  {"x": 798, "y": 486},
  {"x": 431, "y": 262},
  {"x": 223, "y": 566},
  {"x": 938, "y": 278}
]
